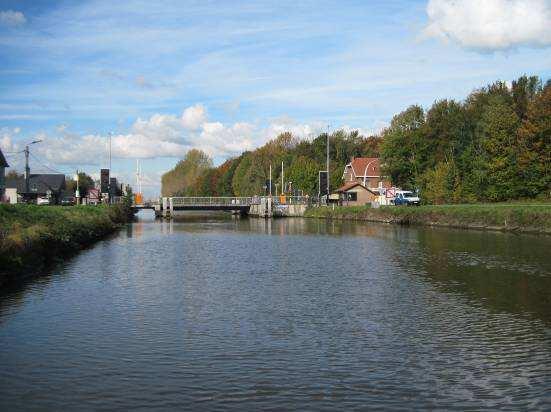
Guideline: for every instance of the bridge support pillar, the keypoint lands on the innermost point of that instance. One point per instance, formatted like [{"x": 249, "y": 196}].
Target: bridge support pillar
[{"x": 164, "y": 210}]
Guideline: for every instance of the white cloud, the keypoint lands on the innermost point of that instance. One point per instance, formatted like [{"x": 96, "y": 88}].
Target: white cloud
[
  {"x": 9, "y": 146},
  {"x": 165, "y": 135},
  {"x": 160, "y": 136},
  {"x": 302, "y": 131},
  {"x": 194, "y": 116},
  {"x": 12, "y": 18},
  {"x": 490, "y": 24},
  {"x": 167, "y": 127}
]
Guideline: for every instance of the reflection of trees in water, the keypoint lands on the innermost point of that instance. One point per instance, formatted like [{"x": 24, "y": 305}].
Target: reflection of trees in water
[
  {"x": 306, "y": 227},
  {"x": 12, "y": 295},
  {"x": 504, "y": 272}
]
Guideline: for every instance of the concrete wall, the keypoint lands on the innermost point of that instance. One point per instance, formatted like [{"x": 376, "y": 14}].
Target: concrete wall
[
  {"x": 260, "y": 210},
  {"x": 290, "y": 210}
]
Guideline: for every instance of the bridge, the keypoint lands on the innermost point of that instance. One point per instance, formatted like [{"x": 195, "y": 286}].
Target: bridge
[
  {"x": 239, "y": 204},
  {"x": 168, "y": 205},
  {"x": 256, "y": 205}
]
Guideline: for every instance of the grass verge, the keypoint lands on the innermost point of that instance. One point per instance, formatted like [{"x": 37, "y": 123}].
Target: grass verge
[
  {"x": 33, "y": 236},
  {"x": 521, "y": 217}
]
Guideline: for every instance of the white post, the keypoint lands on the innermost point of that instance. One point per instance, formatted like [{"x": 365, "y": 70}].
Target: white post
[{"x": 282, "y": 186}]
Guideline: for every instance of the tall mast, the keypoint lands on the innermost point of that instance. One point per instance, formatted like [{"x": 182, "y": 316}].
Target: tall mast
[
  {"x": 282, "y": 187},
  {"x": 327, "y": 163}
]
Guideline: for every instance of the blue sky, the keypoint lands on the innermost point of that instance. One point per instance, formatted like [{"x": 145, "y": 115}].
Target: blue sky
[{"x": 224, "y": 76}]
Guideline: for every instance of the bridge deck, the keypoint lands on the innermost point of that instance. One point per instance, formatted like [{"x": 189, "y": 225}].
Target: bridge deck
[{"x": 241, "y": 204}]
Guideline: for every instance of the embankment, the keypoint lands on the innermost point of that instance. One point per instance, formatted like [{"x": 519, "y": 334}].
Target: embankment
[
  {"x": 528, "y": 218},
  {"x": 34, "y": 236}
]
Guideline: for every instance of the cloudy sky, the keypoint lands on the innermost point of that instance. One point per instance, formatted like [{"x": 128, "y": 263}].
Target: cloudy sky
[{"x": 226, "y": 76}]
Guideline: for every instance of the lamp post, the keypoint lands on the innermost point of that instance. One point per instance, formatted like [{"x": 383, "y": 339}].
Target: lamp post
[
  {"x": 77, "y": 192},
  {"x": 271, "y": 181},
  {"x": 27, "y": 168},
  {"x": 366, "y": 167}
]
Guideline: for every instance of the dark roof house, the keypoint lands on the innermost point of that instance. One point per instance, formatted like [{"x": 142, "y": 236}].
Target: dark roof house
[
  {"x": 3, "y": 162},
  {"x": 3, "y": 165},
  {"x": 39, "y": 184}
]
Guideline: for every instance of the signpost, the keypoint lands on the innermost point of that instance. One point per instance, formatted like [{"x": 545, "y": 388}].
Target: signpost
[
  {"x": 104, "y": 184},
  {"x": 323, "y": 185}
]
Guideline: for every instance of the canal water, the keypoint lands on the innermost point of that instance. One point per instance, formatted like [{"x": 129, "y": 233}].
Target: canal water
[{"x": 229, "y": 314}]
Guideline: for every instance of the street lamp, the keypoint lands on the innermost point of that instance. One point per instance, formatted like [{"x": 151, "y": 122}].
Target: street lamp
[{"x": 365, "y": 171}]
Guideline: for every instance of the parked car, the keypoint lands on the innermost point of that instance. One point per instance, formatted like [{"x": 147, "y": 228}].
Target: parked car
[
  {"x": 406, "y": 198},
  {"x": 42, "y": 201},
  {"x": 68, "y": 201}
]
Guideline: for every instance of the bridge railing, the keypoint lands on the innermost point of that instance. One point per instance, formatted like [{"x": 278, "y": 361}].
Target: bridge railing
[
  {"x": 292, "y": 200},
  {"x": 212, "y": 201}
]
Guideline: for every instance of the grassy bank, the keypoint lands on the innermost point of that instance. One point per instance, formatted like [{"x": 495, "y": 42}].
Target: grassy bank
[
  {"x": 534, "y": 218},
  {"x": 33, "y": 236}
]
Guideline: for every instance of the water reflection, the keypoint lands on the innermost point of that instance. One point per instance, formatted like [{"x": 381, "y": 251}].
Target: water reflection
[{"x": 222, "y": 312}]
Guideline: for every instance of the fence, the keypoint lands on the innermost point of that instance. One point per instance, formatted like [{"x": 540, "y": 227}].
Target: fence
[{"x": 212, "y": 201}]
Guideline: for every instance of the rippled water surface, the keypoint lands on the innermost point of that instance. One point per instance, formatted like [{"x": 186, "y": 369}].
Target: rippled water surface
[{"x": 285, "y": 314}]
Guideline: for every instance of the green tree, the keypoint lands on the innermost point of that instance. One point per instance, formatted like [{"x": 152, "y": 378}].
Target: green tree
[
  {"x": 534, "y": 147},
  {"x": 303, "y": 172},
  {"x": 85, "y": 183},
  {"x": 181, "y": 179},
  {"x": 400, "y": 146},
  {"x": 497, "y": 157},
  {"x": 523, "y": 91},
  {"x": 227, "y": 170},
  {"x": 439, "y": 183}
]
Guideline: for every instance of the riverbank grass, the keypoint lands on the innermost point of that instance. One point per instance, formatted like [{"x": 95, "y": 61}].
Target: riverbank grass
[
  {"x": 31, "y": 236},
  {"x": 522, "y": 217}
]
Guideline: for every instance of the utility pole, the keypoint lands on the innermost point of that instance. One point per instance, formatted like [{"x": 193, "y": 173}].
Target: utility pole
[
  {"x": 327, "y": 164},
  {"x": 27, "y": 168},
  {"x": 138, "y": 175},
  {"x": 109, "y": 188},
  {"x": 110, "y": 152},
  {"x": 271, "y": 181}
]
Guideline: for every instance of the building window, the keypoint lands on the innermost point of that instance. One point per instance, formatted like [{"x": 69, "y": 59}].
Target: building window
[{"x": 352, "y": 196}]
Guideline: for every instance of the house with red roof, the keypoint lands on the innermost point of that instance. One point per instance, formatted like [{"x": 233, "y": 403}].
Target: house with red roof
[
  {"x": 367, "y": 171},
  {"x": 356, "y": 194},
  {"x": 363, "y": 181}
]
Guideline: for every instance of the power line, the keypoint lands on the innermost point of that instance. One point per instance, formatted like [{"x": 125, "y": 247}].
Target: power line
[{"x": 43, "y": 165}]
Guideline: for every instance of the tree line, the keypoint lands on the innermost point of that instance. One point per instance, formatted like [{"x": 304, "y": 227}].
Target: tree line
[{"x": 493, "y": 146}]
